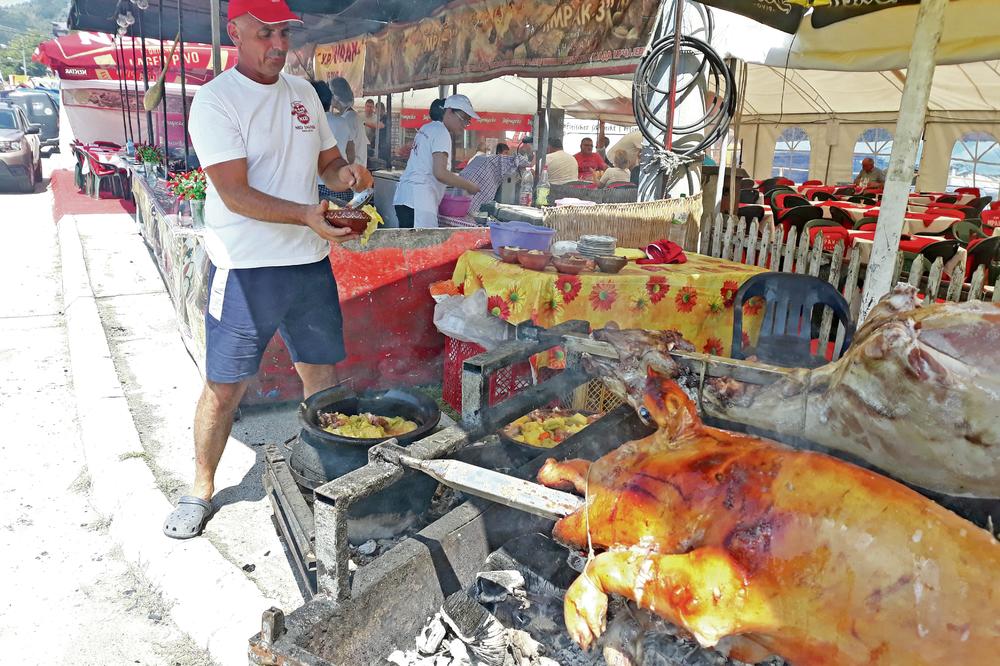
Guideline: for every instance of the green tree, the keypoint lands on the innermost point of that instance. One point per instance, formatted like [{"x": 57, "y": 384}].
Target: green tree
[{"x": 14, "y": 54}]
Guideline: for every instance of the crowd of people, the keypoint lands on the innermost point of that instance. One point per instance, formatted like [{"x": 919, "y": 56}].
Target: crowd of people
[{"x": 588, "y": 165}]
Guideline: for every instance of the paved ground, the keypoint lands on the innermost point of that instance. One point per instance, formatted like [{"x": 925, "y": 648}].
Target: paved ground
[{"x": 69, "y": 595}]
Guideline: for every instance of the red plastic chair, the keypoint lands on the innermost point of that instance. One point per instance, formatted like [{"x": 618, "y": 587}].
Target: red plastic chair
[
  {"x": 785, "y": 181},
  {"x": 108, "y": 144},
  {"x": 974, "y": 191},
  {"x": 101, "y": 174},
  {"x": 812, "y": 182},
  {"x": 991, "y": 218}
]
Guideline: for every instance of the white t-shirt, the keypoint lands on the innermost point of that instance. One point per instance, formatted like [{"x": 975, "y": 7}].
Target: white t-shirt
[
  {"x": 562, "y": 167},
  {"x": 418, "y": 188},
  {"x": 280, "y": 130},
  {"x": 631, "y": 143},
  {"x": 347, "y": 127},
  {"x": 615, "y": 175}
]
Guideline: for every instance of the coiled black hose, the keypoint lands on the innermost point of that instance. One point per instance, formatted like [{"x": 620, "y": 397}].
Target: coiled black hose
[{"x": 718, "y": 80}]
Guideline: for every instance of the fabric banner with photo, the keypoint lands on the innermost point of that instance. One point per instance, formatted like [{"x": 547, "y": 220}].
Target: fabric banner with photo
[
  {"x": 475, "y": 40},
  {"x": 345, "y": 59}
]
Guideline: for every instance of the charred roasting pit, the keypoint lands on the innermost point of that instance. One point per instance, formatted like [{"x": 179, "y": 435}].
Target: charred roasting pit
[{"x": 513, "y": 616}]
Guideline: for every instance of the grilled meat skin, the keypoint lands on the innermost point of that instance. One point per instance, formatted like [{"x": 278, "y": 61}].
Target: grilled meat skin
[{"x": 794, "y": 553}]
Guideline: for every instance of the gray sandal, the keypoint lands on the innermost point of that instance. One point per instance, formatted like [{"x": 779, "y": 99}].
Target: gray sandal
[{"x": 188, "y": 519}]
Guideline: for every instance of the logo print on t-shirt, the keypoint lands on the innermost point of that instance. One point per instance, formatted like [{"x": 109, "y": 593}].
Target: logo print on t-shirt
[{"x": 300, "y": 112}]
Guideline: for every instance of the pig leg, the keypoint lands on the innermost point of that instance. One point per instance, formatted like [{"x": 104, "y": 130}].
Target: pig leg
[
  {"x": 702, "y": 591},
  {"x": 570, "y": 475}
]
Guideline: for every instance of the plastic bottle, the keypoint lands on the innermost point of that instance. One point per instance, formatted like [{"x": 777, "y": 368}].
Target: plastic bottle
[
  {"x": 543, "y": 189},
  {"x": 526, "y": 188},
  {"x": 130, "y": 148}
]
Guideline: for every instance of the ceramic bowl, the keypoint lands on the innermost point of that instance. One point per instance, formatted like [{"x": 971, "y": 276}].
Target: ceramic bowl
[
  {"x": 534, "y": 259},
  {"x": 611, "y": 264},
  {"x": 508, "y": 254},
  {"x": 356, "y": 220},
  {"x": 569, "y": 265}
]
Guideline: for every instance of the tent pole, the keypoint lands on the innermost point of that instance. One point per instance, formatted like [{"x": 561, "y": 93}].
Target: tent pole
[
  {"x": 216, "y": 39},
  {"x": 121, "y": 92},
  {"x": 539, "y": 123},
  {"x": 184, "y": 110},
  {"x": 163, "y": 107},
  {"x": 544, "y": 146},
  {"x": 388, "y": 127},
  {"x": 741, "y": 91},
  {"x": 128, "y": 94},
  {"x": 145, "y": 81},
  {"x": 668, "y": 142},
  {"x": 909, "y": 127},
  {"x": 135, "y": 82}
]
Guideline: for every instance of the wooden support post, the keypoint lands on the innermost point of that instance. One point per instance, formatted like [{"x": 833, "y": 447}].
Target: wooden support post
[
  {"x": 909, "y": 128},
  {"x": 216, "y": 38}
]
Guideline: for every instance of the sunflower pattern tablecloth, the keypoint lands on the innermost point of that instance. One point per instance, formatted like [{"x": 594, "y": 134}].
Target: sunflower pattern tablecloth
[{"x": 694, "y": 298}]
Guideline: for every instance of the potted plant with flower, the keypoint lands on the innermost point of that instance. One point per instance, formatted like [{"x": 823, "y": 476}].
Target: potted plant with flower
[
  {"x": 191, "y": 186},
  {"x": 150, "y": 157}
]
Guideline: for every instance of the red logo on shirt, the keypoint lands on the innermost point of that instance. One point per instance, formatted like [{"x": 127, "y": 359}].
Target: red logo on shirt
[{"x": 300, "y": 112}]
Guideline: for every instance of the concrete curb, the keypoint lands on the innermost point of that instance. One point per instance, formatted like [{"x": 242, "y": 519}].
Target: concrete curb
[{"x": 212, "y": 600}]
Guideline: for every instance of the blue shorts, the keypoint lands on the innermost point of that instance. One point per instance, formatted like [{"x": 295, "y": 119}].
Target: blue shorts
[{"x": 247, "y": 305}]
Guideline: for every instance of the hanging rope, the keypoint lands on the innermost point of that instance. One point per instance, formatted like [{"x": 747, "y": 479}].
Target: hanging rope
[
  {"x": 126, "y": 94},
  {"x": 184, "y": 112},
  {"x": 145, "y": 80},
  {"x": 121, "y": 101},
  {"x": 163, "y": 107}
]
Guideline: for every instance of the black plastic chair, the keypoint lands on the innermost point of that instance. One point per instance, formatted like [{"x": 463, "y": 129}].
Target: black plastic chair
[
  {"x": 841, "y": 218},
  {"x": 847, "y": 190},
  {"x": 977, "y": 205},
  {"x": 865, "y": 220},
  {"x": 948, "y": 199},
  {"x": 792, "y": 201},
  {"x": 986, "y": 253},
  {"x": 966, "y": 230},
  {"x": 786, "y": 331},
  {"x": 751, "y": 212},
  {"x": 749, "y": 196},
  {"x": 859, "y": 199},
  {"x": 748, "y": 184},
  {"x": 771, "y": 183},
  {"x": 769, "y": 194},
  {"x": 822, "y": 196},
  {"x": 798, "y": 217},
  {"x": 944, "y": 250}
]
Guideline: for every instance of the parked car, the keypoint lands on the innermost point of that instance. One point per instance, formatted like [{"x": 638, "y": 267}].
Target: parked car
[
  {"x": 40, "y": 110},
  {"x": 20, "y": 149}
]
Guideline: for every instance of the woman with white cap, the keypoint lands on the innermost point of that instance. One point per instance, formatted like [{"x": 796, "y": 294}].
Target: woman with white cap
[{"x": 427, "y": 173}]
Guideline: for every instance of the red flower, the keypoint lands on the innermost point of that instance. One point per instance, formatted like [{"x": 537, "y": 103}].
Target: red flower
[
  {"x": 568, "y": 286},
  {"x": 603, "y": 295},
  {"x": 746, "y": 339},
  {"x": 498, "y": 307},
  {"x": 713, "y": 346},
  {"x": 686, "y": 299},
  {"x": 729, "y": 289},
  {"x": 657, "y": 288},
  {"x": 753, "y": 306}
]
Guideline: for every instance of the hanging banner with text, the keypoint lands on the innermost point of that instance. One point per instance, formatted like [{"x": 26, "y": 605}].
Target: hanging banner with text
[
  {"x": 475, "y": 40},
  {"x": 488, "y": 122},
  {"x": 345, "y": 59}
]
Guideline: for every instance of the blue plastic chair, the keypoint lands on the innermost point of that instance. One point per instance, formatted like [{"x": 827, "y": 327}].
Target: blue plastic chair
[{"x": 786, "y": 331}]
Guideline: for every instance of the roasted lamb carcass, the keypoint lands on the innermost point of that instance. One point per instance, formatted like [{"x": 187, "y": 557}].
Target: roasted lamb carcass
[
  {"x": 773, "y": 551},
  {"x": 917, "y": 395}
]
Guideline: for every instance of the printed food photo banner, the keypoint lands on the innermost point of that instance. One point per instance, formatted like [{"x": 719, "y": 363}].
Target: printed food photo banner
[
  {"x": 475, "y": 40},
  {"x": 345, "y": 59}
]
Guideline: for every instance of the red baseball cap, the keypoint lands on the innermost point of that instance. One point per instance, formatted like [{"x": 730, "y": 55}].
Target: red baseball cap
[{"x": 265, "y": 11}]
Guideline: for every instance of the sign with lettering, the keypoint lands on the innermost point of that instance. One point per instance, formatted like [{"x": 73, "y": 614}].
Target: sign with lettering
[{"x": 345, "y": 59}]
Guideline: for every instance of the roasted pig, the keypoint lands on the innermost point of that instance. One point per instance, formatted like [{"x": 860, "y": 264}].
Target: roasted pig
[{"x": 769, "y": 551}]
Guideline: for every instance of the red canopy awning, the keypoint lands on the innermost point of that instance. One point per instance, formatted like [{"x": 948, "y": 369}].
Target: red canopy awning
[{"x": 94, "y": 55}]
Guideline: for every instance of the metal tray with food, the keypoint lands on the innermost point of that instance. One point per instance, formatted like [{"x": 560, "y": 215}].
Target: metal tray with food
[{"x": 547, "y": 428}]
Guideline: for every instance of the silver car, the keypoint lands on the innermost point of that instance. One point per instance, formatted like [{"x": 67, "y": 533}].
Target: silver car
[{"x": 20, "y": 149}]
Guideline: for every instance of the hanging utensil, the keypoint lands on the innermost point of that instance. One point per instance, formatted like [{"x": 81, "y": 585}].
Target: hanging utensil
[
  {"x": 151, "y": 99},
  {"x": 361, "y": 198}
]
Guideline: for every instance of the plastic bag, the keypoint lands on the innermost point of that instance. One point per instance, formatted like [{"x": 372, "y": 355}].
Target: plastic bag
[{"x": 466, "y": 318}]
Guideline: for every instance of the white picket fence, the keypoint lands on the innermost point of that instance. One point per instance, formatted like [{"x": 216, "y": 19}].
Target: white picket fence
[{"x": 762, "y": 245}]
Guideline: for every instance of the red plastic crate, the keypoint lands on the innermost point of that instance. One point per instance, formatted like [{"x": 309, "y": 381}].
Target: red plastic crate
[{"x": 504, "y": 383}]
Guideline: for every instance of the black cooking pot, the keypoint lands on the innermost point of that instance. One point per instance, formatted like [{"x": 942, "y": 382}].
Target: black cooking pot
[{"x": 319, "y": 456}]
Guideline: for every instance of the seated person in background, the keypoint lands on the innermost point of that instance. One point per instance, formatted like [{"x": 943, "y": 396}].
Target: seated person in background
[
  {"x": 602, "y": 148},
  {"x": 503, "y": 149},
  {"x": 619, "y": 172},
  {"x": 869, "y": 174},
  {"x": 589, "y": 161},
  {"x": 561, "y": 166}
]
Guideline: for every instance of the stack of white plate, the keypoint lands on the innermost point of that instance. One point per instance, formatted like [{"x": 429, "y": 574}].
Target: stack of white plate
[{"x": 596, "y": 246}]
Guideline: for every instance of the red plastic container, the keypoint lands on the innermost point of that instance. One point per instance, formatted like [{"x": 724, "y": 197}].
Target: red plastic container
[
  {"x": 455, "y": 205},
  {"x": 503, "y": 383}
]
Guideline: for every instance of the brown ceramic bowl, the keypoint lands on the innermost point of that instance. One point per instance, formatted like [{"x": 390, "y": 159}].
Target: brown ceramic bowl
[
  {"x": 611, "y": 264},
  {"x": 356, "y": 220},
  {"x": 569, "y": 265},
  {"x": 508, "y": 254},
  {"x": 535, "y": 260}
]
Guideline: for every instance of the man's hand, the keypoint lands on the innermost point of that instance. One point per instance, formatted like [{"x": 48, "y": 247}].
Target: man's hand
[
  {"x": 315, "y": 219},
  {"x": 356, "y": 177},
  {"x": 471, "y": 187}
]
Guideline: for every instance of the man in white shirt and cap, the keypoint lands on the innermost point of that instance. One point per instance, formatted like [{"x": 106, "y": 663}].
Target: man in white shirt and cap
[{"x": 262, "y": 138}]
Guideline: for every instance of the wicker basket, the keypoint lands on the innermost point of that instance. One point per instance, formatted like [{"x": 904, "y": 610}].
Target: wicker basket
[{"x": 633, "y": 224}]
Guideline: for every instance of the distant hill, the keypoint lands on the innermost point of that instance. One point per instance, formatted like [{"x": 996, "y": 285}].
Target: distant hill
[{"x": 32, "y": 16}]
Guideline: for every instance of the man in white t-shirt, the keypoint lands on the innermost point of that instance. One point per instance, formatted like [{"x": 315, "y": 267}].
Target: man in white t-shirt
[
  {"x": 262, "y": 139},
  {"x": 561, "y": 166}
]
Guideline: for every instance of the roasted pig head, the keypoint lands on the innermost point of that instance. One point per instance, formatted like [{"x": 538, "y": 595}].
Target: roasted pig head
[
  {"x": 638, "y": 352},
  {"x": 777, "y": 551}
]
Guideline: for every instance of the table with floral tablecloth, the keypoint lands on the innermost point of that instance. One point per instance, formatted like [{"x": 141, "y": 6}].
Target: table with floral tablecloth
[{"x": 694, "y": 298}]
